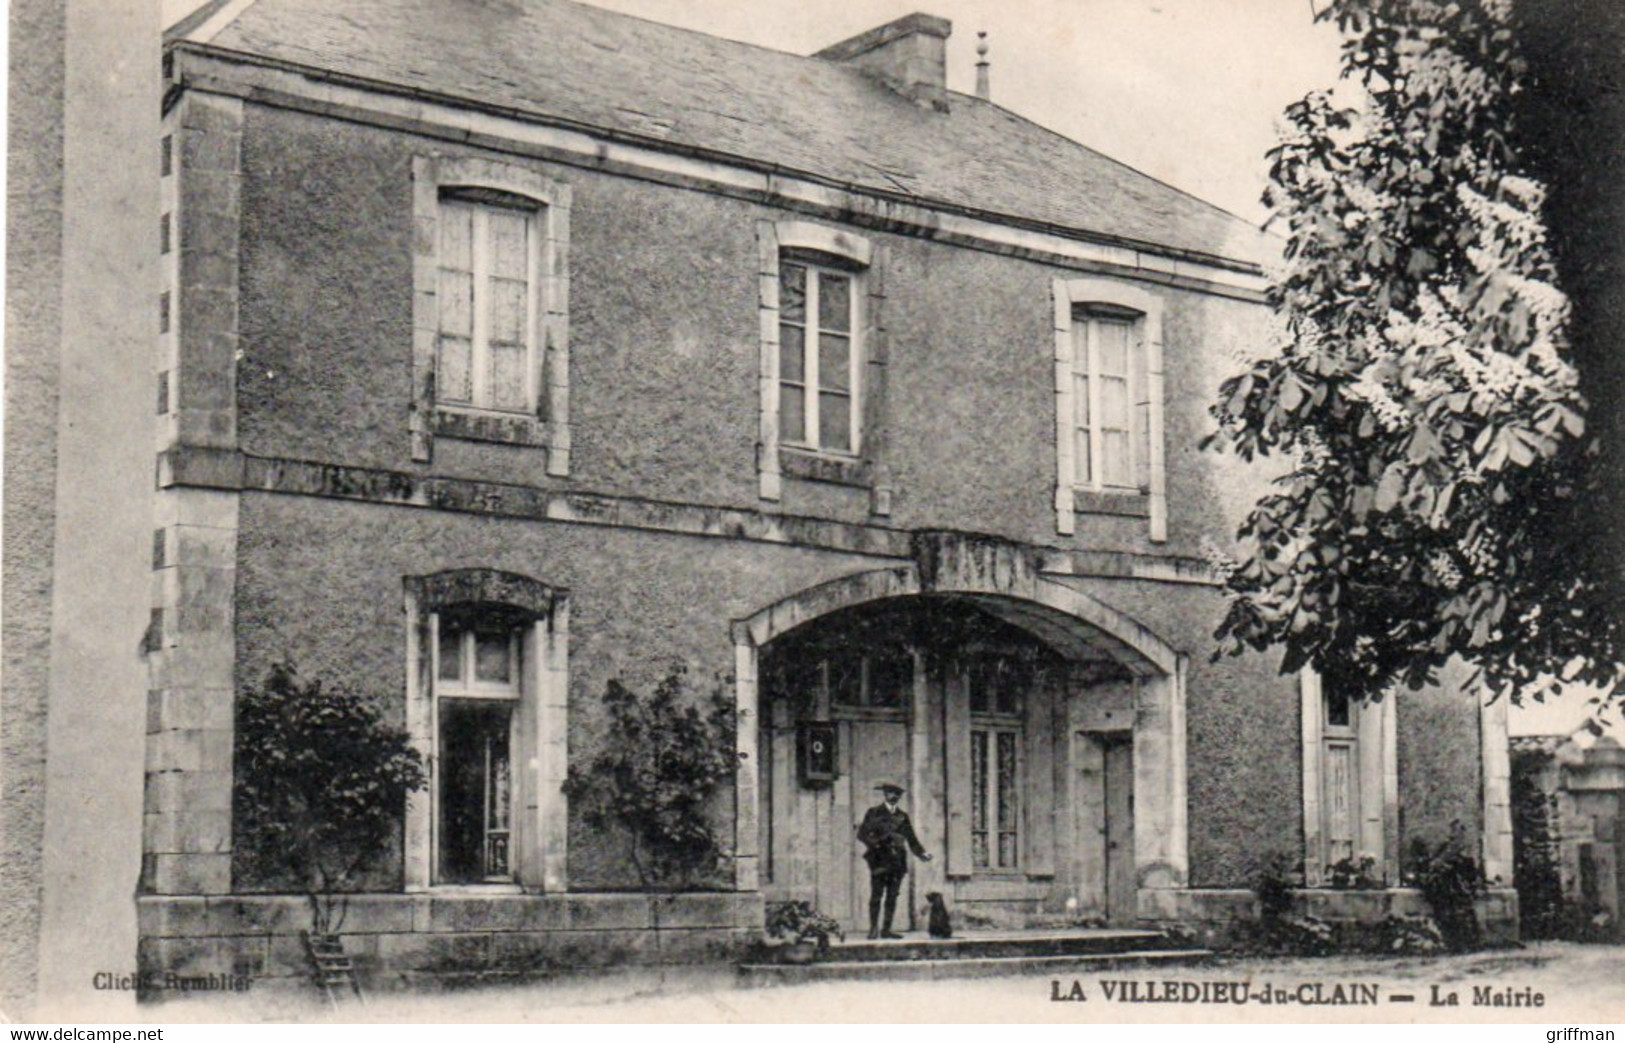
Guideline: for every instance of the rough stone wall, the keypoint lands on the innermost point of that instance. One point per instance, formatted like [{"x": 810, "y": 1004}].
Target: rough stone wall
[
  {"x": 1440, "y": 765},
  {"x": 1245, "y": 777},
  {"x": 664, "y": 350},
  {"x": 321, "y": 581},
  {"x": 33, "y": 336}
]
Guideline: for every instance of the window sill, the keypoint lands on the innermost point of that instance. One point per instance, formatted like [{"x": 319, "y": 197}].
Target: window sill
[
  {"x": 474, "y": 889},
  {"x": 1122, "y": 502},
  {"x": 868, "y": 713},
  {"x": 1000, "y": 886},
  {"x": 814, "y": 466},
  {"x": 476, "y": 425}
]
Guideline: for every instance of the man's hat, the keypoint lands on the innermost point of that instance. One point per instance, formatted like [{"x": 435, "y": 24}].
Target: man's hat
[{"x": 888, "y": 786}]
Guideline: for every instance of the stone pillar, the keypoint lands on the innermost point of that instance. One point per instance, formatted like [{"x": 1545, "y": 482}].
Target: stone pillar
[
  {"x": 1497, "y": 791},
  {"x": 925, "y": 742},
  {"x": 768, "y": 481},
  {"x": 1159, "y": 785},
  {"x": 191, "y": 640},
  {"x": 192, "y": 653},
  {"x": 418, "y": 825},
  {"x": 552, "y": 634},
  {"x": 202, "y": 305},
  {"x": 747, "y": 792}
]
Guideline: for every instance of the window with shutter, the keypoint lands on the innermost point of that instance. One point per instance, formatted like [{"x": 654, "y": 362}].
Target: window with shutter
[
  {"x": 1350, "y": 783},
  {"x": 490, "y": 354},
  {"x": 1108, "y": 387},
  {"x": 488, "y": 261}
]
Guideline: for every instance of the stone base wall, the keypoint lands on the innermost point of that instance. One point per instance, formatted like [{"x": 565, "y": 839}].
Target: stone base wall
[
  {"x": 1215, "y": 914},
  {"x": 405, "y": 939}
]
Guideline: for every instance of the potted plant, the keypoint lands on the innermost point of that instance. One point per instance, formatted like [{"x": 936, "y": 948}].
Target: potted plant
[{"x": 804, "y": 930}]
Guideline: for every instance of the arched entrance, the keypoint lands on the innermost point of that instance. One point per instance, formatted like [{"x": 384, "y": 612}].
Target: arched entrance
[{"x": 1039, "y": 732}]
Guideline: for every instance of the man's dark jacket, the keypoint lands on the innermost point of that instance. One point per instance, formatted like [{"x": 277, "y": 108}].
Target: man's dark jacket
[{"x": 889, "y": 836}]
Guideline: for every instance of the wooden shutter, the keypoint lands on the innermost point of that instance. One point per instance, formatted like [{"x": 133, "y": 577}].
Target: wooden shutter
[{"x": 1039, "y": 795}]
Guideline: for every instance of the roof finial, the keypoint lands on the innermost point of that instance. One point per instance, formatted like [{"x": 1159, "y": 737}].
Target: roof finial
[{"x": 983, "y": 91}]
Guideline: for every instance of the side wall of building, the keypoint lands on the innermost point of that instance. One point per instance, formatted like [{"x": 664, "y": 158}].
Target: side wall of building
[
  {"x": 33, "y": 340},
  {"x": 82, "y": 252}
]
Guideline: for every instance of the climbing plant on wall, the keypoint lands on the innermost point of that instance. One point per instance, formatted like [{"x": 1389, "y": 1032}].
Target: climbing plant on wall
[
  {"x": 665, "y": 757},
  {"x": 321, "y": 785}
]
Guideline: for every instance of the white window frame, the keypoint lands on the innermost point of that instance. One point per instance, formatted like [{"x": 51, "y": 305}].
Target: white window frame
[
  {"x": 544, "y": 419},
  {"x": 469, "y": 689},
  {"x": 1073, "y": 300},
  {"x": 482, "y": 388},
  {"x": 1086, "y": 327},
  {"x": 538, "y": 694},
  {"x": 1371, "y": 739},
  {"x": 840, "y": 251},
  {"x": 992, "y": 721},
  {"x": 993, "y": 726},
  {"x": 811, "y": 372}
]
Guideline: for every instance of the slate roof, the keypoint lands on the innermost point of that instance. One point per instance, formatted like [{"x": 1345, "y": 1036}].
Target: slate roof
[{"x": 562, "y": 60}]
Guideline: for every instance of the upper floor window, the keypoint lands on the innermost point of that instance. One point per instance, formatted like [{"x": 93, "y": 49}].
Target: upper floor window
[
  {"x": 490, "y": 306},
  {"x": 1109, "y": 403},
  {"x": 819, "y": 358},
  {"x": 1109, "y": 410},
  {"x": 489, "y": 258},
  {"x": 823, "y": 360}
]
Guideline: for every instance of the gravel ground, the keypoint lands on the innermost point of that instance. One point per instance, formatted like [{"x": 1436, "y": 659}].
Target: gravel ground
[{"x": 1580, "y": 985}]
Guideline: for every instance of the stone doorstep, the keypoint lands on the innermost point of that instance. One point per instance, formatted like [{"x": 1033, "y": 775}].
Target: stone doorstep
[
  {"x": 1037, "y": 943},
  {"x": 450, "y": 912},
  {"x": 383, "y": 959},
  {"x": 760, "y": 974},
  {"x": 1225, "y": 905}
]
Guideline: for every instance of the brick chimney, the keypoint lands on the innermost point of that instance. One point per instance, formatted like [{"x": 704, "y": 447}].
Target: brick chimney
[{"x": 909, "y": 55}]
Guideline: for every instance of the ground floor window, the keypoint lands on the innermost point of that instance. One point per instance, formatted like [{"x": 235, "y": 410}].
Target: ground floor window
[
  {"x": 1350, "y": 787},
  {"x": 487, "y": 674},
  {"x": 995, "y": 801},
  {"x": 996, "y": 688},
  {"x": 1340, "y": 771},
  {"x": 476, "y": 791},
  {"x": 477, "y": 690}
]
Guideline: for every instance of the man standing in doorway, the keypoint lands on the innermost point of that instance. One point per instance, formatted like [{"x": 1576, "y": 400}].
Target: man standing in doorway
[{"x": 888, "y": 836}]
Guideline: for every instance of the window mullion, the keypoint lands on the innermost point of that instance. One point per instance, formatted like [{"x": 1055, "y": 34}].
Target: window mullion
[
  {"x": 854, "y": 362},
  {"x": 535, "y": 353},
  {"x": 809, "y": 360},
  {"x": 480, "y": 362},
  {"x": 1092, "y": 369},
  {"x": 1135, "y": 340}
]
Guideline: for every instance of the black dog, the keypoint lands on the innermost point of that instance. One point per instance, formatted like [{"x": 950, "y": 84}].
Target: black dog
[{"x": 937, "y": 916}]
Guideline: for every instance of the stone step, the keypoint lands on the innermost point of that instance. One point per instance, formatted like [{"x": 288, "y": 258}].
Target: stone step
[
  {"x": 761, "y": 974},
  {"x": 1001, "y": 944}
]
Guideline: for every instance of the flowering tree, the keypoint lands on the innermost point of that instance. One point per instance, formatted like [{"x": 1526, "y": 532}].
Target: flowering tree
[{"x": 1422, "y": 387}]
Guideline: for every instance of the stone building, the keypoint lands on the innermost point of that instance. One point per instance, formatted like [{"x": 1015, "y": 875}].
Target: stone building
[
  {"x": 1569, "y": 806},
  {"x": 508, "y": 354}
]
